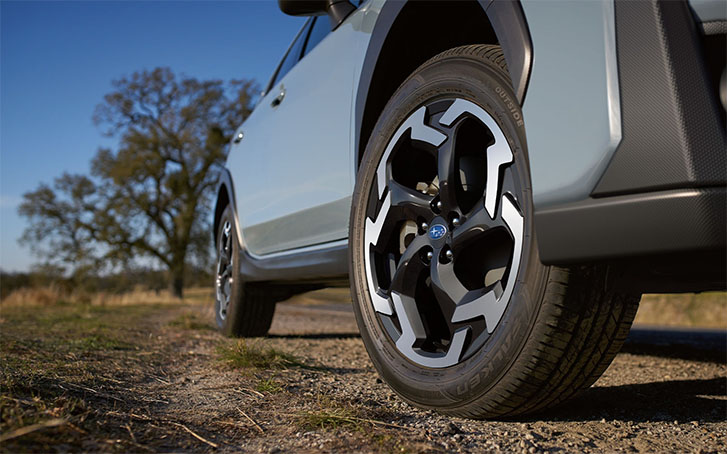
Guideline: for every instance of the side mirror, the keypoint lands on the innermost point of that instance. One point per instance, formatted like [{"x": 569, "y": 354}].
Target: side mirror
[{"x": 337, "y": 10}]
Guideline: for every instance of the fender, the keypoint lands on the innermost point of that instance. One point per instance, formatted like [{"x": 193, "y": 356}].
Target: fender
[{"x": 508, "y": 22}]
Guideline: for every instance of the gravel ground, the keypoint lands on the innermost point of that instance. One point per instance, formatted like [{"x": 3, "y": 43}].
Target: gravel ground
[{"x": 667, "y": 392}]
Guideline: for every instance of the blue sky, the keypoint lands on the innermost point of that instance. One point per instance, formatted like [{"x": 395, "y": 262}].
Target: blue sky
[{"x": 57, "y": 60}]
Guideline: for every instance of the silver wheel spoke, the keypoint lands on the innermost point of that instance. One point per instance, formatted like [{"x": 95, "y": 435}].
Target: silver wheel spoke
[{"x": 225, "y": 270}]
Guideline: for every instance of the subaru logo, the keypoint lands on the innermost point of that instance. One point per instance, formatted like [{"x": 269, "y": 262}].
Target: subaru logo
[{"x": 437, "y": 231}]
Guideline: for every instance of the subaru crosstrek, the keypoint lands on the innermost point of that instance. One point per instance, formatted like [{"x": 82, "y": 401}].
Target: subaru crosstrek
[{"x": 498, "y": 181}]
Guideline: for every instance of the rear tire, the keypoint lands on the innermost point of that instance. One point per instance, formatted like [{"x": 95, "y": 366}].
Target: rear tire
[
  {"x": 558, "y": 329},
  {"x": 241, "y": 309}
]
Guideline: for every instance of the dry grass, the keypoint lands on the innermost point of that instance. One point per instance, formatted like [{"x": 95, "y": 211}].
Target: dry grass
[
  {"x": 39, "y": 297},
  {"x": 62, "y": 366},
  {"x": 331, "y": 414},
  {"x": 702, "y": 310},
  {"x": 244, "y": 354},
  {"x": 53, "y": 295},
  {"x": 329, "y": 418}
]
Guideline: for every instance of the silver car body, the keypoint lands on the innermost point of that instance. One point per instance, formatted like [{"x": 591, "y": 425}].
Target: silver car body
[{"x": 294, "y": 171}]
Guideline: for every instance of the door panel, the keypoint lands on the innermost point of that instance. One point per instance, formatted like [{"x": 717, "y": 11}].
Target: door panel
[{"x": 293, "y": 168}]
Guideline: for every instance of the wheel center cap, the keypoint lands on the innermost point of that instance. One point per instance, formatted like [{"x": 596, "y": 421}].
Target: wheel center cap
[{"x": 437, "y": 231}]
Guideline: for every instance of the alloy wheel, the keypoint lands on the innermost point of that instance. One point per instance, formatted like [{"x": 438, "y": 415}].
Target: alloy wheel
[
  {"x": 444, "y": 231},
  {"x": 224, "y": 275}
]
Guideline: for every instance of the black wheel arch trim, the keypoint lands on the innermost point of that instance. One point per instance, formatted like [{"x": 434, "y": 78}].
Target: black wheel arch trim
[
  {"x": 508, "y": 22},
  {"x": 225, "y": 195},
  {"x": 650, "y": 229}
]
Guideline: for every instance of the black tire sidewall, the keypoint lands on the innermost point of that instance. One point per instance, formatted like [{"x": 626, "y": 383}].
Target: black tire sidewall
[{"x": 455, "y": 387}]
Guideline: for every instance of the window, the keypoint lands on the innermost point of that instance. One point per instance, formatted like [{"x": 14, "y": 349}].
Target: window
[
  {"x": 320, "y": 29},
  {"x": 293, "y": 55}
]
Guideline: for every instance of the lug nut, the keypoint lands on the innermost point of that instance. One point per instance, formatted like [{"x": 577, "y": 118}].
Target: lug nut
[
  {"x": 430, "y": 255},
  {"x": 425, "y": 226},
  {"x": 439, "y": 204},
  {"x": 455, "y": 222},
  {"x": 448, "y": 253}
]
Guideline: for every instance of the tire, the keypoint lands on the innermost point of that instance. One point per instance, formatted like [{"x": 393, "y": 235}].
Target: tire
[
  {"x": 241, "y": 310},
  {"x": 441, "y": 333}
]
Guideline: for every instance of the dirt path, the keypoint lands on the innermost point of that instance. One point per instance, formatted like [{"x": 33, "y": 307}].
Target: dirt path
[{"x": 143, "y": 378}]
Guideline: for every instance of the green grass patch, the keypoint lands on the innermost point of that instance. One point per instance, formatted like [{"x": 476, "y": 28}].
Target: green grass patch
[
  {"x": 78, "y": 317},
  {"x": 244, "y": 354},
  {"x": 269, "y": 385},
  {"x": 99, "y": 342}
]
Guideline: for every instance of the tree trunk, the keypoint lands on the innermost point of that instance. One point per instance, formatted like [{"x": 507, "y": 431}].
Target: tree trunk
[{"x": 177, "y": 272}]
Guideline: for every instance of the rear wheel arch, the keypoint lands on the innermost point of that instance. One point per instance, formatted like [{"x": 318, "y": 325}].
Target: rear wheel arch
[{"x": 223, "y": 199}]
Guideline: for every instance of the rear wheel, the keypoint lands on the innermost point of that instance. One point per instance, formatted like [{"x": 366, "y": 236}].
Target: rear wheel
[
  {"x": 241, "y": 309},
  {"x": 455, "y": 308}
]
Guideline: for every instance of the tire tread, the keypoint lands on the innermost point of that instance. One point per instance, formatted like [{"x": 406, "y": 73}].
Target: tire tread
[
  {"x": 577, "y": 335},
  {"x": 254, "y": 314}
]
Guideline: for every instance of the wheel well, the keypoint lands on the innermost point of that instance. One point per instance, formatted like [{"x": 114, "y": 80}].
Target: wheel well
[
  {"x": 222, "y": 201},
  {"x": 420, "y": 31}
]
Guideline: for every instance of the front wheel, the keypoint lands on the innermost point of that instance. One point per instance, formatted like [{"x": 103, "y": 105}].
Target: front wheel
[{"x": 456, "y": 310}]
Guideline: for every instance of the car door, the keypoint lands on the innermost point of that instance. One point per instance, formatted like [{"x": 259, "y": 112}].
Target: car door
[{"x": 293, "y": 169}]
